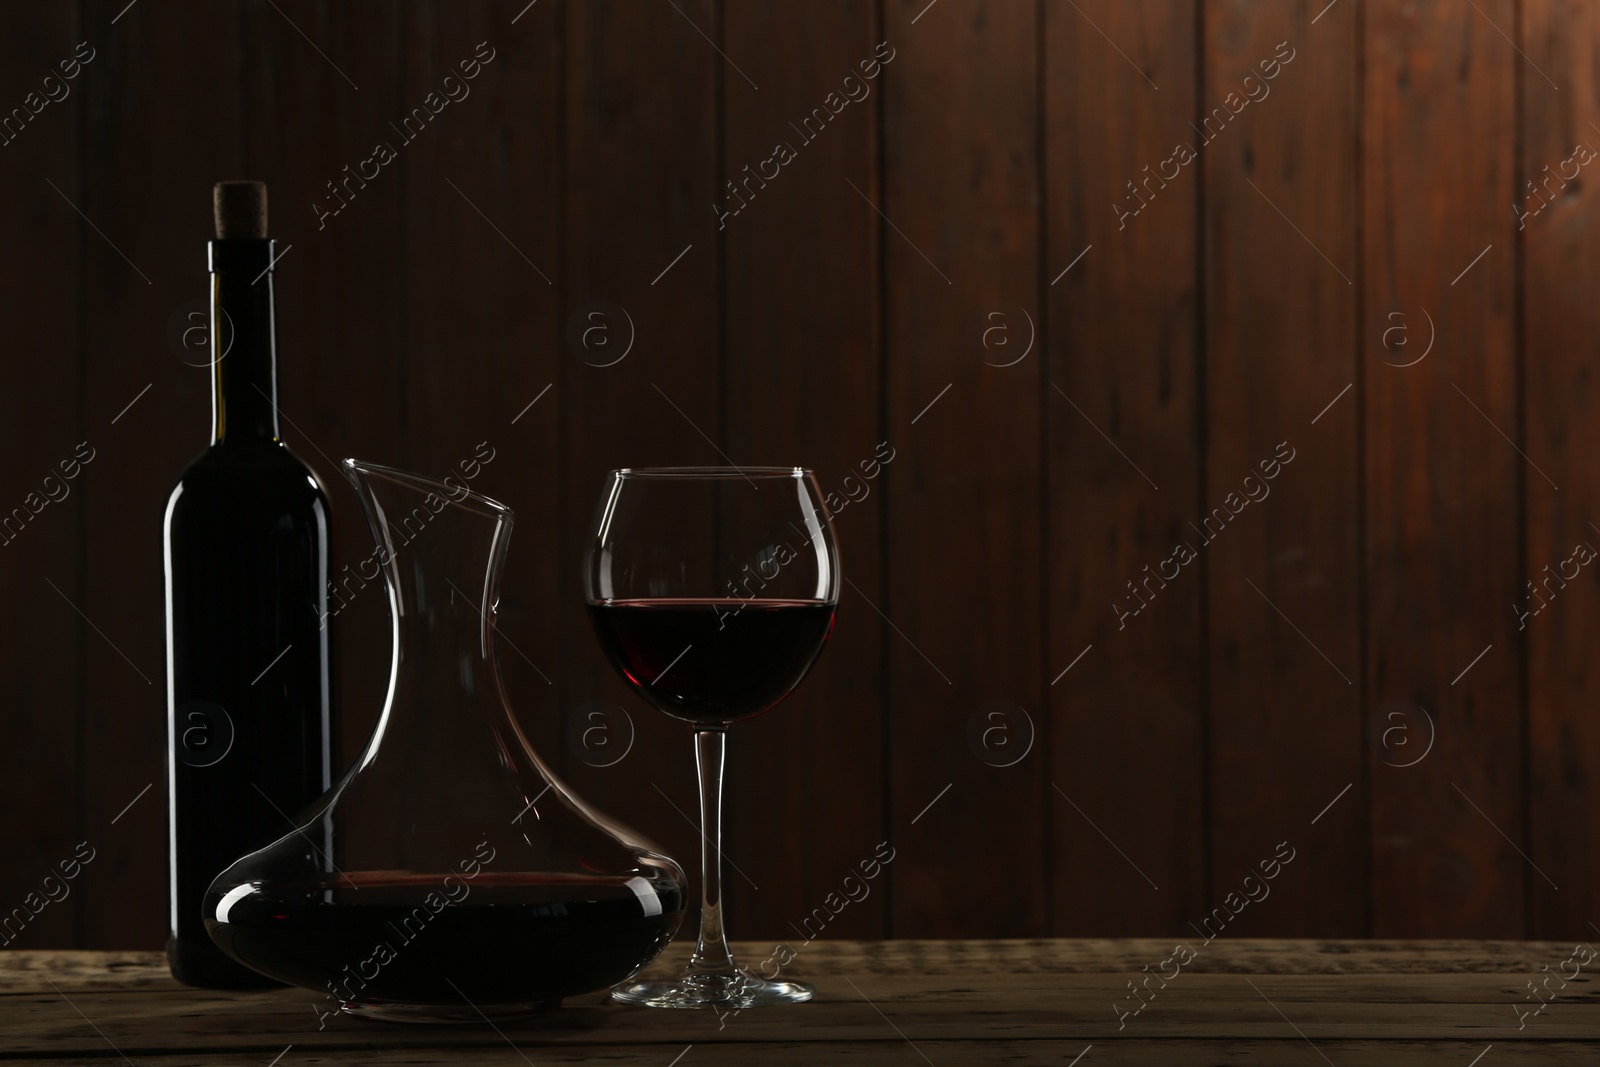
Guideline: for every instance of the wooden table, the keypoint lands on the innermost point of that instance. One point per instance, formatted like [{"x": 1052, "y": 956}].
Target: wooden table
[{"x": 946, "y": 1003}]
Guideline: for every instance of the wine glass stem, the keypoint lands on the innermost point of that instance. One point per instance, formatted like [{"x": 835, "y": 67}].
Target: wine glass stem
[{"x": 711, "y": 954}]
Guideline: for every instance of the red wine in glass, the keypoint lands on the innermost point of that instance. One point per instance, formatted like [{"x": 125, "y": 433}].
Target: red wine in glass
[{"x": 714, "y": 660}]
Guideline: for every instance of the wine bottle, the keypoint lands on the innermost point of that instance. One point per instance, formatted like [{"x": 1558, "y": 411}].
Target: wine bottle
[{"x": 246, "y": 541}]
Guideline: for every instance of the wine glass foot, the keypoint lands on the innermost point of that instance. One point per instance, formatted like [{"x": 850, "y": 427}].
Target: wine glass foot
[{"x": 732, "y": 991}]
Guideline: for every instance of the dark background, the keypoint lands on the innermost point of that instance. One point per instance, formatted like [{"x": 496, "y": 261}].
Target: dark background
[{"x": 1343, "y": 669}]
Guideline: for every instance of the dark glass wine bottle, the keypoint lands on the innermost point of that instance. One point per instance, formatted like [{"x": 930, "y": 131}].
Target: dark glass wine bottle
[{"x": 247, "y": 537}]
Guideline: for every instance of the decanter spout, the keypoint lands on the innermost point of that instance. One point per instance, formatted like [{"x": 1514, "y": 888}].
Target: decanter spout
[{"x": 440, "y": 547}]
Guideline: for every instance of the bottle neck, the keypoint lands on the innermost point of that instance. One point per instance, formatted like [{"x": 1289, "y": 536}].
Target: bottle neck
[{"x": 244, "y": 374}]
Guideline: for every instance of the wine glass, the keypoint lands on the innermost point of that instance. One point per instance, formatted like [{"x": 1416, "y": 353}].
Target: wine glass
[{"x": 712, "y": 590}]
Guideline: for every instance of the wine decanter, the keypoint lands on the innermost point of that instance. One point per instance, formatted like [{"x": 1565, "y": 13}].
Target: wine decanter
[{"x": 449, "y": 875}]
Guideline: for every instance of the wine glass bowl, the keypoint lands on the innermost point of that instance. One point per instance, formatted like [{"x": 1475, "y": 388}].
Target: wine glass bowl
[{"x": 712, "y": 590}]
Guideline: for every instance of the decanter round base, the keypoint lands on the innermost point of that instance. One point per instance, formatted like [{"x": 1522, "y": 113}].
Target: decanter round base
[
  {"x": 736, "y": 991},
  {"x": 448, "y": 1013}
]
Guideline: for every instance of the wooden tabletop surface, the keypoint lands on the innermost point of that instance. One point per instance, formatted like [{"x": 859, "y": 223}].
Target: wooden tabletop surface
[{"x": 1347, "y": 1003}]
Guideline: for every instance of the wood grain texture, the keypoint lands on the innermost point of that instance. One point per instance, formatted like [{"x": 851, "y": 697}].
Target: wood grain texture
[
  {"x": 1188, "y": 342},
  {"x": 1012, "y": 1053},
  {"x": 965, "y": 590},
  {"x": 1284, "y": 612},
  {"x": 945, "y": 957},
  {"x": 481, "y": 340},
  {"x": 640, "y": 176},
  {"x": 958, "y": 1002},
  {"x": 803, "y": 358},
  {"x": 40, "y": 517},
  {"x": 1126, "y": 727},
  {"x": 81, "y": 970},
  {"x": 1561, "y": 419},
  {"x": 1441, "y": 478},
  {"x": 152, "y": 100}
]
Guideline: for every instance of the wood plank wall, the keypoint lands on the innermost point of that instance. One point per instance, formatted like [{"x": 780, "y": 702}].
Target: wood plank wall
[{"x": 1236, "y": 360}]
